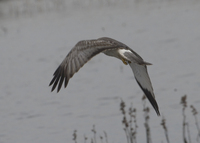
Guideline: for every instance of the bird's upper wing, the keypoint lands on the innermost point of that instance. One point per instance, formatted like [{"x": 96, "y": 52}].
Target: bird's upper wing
[
  {"x": 82, "y": 52},
  {"x": 139, "y": 69}
]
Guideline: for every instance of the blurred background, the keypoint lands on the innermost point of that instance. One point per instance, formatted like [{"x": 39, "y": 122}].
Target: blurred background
[
  {"x": 18, "y": 8},
  {"x": 36, "y": 35}
]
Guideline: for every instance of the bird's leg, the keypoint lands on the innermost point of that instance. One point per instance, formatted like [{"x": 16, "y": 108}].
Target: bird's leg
[{"x": 123, "y": 60}]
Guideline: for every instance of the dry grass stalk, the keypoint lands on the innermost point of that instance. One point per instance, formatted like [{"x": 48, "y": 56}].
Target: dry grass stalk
[
  {"x": 133, "y": 121},
  {"x": 106, "y": 137},
  {"x": 194, "y": 112},
  {"x": 85, "y": 139},
  {"x": 94, "y": 132},
  {"x": 130, "y": 124},
  {"x": 101, "y": 138},
  {"x": 75, "y": 136},
  {"x": 184, "y": 104},
  {"x": 130, "y": 127},
  {"x": 146, "y": 117},
  {"x": 163, "y": 124}
]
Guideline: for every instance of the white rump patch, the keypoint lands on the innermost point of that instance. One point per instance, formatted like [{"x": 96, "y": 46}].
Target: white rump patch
[{"x": 122, "y": 51}]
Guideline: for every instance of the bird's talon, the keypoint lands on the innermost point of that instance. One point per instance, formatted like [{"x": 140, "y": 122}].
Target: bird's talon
[{"x": 124, "y": 62}]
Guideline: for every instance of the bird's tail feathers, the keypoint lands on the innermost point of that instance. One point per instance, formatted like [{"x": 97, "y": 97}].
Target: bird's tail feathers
[{"x": 145, "y": 63}]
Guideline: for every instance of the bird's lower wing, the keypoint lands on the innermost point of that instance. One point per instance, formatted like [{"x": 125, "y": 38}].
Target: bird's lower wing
[
  {"x": 138, "y": 66},
  {"x": 142, "y": 78}
]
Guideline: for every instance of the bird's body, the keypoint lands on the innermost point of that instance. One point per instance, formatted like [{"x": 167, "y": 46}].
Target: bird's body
[{"x": 86, "y": 49}]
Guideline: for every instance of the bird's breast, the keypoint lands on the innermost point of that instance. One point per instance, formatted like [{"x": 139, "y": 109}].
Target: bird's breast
[{"x": 112, "y": 52}]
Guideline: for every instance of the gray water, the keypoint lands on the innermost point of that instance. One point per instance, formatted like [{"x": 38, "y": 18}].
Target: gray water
[{"x": 31, "y": 48}]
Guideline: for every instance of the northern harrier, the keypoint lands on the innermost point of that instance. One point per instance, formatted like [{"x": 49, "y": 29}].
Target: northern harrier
[{"x": 86, "y": 49}]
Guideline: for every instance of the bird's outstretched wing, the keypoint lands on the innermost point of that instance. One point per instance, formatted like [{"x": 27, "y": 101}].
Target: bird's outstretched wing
[
  {"x": 139, "y": 69},
  {"x": 82, "y": 52}
]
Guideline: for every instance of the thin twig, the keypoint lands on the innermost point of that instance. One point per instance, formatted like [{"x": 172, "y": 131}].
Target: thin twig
[
  {"x": 106, "y": 137},
  {"x": 194, "y": 112},
  {"x": 146, "y": 117},
  {"x": 184, "y": 104},
  {"x": 94, "y": 132},
  {"x": 75, "y": 136},
  {"x": 188, "y": 131},
  {"x": 163, "y": 123},
  {"x": 85, "y": 139}
]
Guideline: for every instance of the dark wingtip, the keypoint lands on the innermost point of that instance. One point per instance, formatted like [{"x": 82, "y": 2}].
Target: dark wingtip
[
  {"x": 153, "y": 103},
  {"x": 66, "y": 81},
  {"x": 59, "y": 78},
  {"x": 157, "y": 111},
  {"x": 57, "y": 75},
  {"x": 52, "y": 89},
  {"x": 151, "y": 99},
  {"x": 52, "y": 81},
  {"x": 61, "y": 81}
]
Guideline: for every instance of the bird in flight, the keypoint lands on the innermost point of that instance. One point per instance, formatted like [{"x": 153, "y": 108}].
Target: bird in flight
[{"x": 84, "y": 50}]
